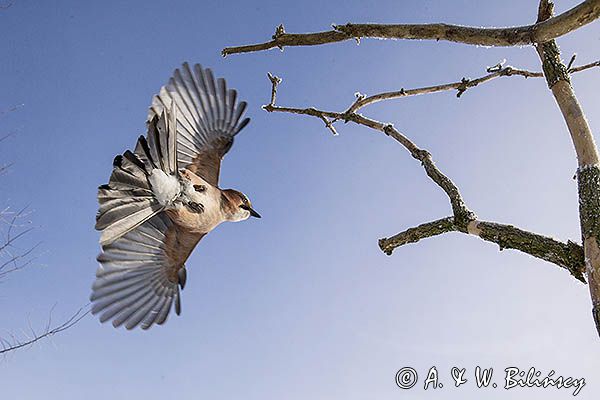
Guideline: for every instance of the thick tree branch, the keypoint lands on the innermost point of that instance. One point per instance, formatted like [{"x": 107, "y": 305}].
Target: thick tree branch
[
  {"x": 588, "y": 173},
  {"x": 582, "y": 14},
  {"x": 417, "y": 233},
  {"x": 566, "y": 255}
]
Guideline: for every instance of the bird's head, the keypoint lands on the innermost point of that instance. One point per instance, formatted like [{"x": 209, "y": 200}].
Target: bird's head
[{"x": 237, "y": 206}]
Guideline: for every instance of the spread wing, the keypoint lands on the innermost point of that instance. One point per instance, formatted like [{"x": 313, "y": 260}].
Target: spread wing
[
  {"x": 140, "y": 274},
  {"x": 191, "y": 124},
  {"x": 208, "y": 118}
]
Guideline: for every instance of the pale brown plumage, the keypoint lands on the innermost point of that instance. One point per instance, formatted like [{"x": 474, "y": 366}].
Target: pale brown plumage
[{"x": 163, "y": 198}]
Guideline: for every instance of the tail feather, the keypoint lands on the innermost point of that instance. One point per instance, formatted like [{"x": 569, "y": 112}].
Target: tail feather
[
  {"x": 128, "y": 199},
  {"x": 165, "y": 140},
  {"x": 142, "y": 151},
  {"x": 159, "y": 149},
  {"x": 172, "y": 140},
  {"x": 121, "y": 208},
  {"x": 153, "y": 142},
  {"x": 127, "y": 175},
  {"x": 120, "y": 227}
]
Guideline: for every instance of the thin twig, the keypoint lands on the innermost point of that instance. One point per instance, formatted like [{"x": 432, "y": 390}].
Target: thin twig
[
  {"x": 584, "y": 67},
  {"x": 6, "y": 6},
  {"x": 14, "y": 343},
  {"x": 10, "y": 109},
  {"x": 15, "y": 260},
  {"x": 461, "y": 213},
  {"x": 460, "y": 86},
  {"x": 274, "y": 82}
]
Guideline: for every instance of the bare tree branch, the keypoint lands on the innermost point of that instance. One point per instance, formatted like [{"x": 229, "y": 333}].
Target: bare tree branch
[
  {"x": 4, "y": 168},
  {"x": 566, "y": 255},
  {"x": 6, "y": 6},
  {"x": 14, "y": 226},
  {"x": 14, "y": 343},
  {"x": 10, "y": 109},
  {"x": 462, "y": 214},
  {"x": 582, "y": 14},
  {"x": 6, "y": 136},
  {"x": 571, "y": 256},
  {"x": 584, "y": 67},
  {"x": 461, "y": 86}
]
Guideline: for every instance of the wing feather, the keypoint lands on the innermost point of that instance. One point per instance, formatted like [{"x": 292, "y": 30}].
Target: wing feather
[
  {"x": 208, "y": 117},
  {"x": 137, "y": 282}
]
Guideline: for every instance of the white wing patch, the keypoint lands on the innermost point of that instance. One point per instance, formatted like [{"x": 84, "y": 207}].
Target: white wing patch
[{"x": 165, "y": 187}]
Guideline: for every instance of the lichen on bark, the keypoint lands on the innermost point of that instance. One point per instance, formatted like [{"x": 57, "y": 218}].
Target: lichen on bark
[
  {"x": 567, "y": 255},
  {"x": 588, "y": 181},
  {"x": 413, "y": 235},
  {"x": 554, "y": 69}
]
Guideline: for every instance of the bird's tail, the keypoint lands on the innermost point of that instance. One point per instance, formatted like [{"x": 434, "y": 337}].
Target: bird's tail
[{"x": 127, "y": 201}]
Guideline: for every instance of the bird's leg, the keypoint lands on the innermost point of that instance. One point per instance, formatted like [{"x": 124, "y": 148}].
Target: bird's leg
[{"x": 196, "y": 207}]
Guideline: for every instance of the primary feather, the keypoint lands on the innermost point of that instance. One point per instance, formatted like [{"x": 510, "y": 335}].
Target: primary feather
[{"x": 208, "y": 118}]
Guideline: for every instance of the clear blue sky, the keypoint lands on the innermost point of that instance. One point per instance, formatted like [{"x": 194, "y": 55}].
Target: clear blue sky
[{"x": 305, "y": 306}]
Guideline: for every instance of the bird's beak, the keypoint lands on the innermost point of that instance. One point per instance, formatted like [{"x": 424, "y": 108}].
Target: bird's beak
[{"x": 252, "y": 212}]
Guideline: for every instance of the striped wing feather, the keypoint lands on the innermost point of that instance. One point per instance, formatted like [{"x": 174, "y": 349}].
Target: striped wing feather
[
  {"x": 208, "y": 117},
  {"x": 139, "y": 277}
]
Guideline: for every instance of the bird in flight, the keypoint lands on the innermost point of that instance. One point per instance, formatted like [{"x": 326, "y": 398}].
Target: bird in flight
[{"x": 163, "y": 198}]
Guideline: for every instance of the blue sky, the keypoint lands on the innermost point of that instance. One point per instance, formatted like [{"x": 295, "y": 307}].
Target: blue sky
[{"x": 300, "y": 304}]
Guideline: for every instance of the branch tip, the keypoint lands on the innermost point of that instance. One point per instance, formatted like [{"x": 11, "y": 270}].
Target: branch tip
[
  {"x": 275, "y": 80},
  {"x": 464, "y": 85},
  {"x": 280, "y": 30},
  {"x": 573, "y": 57},
  {"x": 497, "y": 67}
]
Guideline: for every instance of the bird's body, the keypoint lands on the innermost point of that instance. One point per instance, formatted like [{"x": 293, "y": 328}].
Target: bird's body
[
  {"x": 196, "y": 211},
  {"x": 163, "y": 198}
]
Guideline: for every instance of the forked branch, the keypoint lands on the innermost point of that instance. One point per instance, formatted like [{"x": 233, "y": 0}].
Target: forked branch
[{"x": 566, "y": 255}]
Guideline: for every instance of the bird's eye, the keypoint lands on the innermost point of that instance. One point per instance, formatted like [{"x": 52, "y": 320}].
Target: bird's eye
[{"x": 199, "y": 188}]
